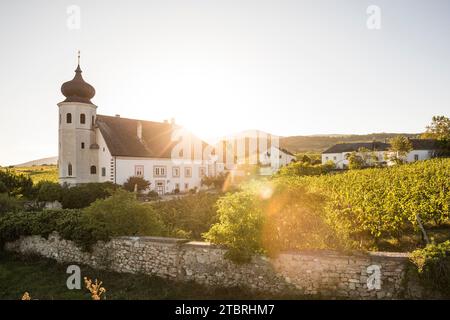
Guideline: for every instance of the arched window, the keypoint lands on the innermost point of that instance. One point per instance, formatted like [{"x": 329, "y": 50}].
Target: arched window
[
  {"x": 82, "y": 118},
  {"x": 69, "y": 118},
  {"x": 69, "y": 170},
  {"x": 93, "y": 170}
]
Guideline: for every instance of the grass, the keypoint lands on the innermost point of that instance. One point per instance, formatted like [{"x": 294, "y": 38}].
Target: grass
[
  {"x": 45, "y": 279},
  {"x": 38, "y": 173}
]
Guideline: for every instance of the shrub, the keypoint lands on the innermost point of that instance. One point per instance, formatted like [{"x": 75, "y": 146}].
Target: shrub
[
  {"x": 433, "y": 266},
  {"x": 240, "y": 226},
  {"x": 217, "y": 182},
  {"x": 188, "y": 216},
  {"x": 70, "y": 225},
  {"x": 271, "y": 217},
  {"x": 16, "y": 184},
  {"x": 48, "y": 191},
  {"x": 9, "y": 204},
  {"x": 305, "y": 169},
  {"x": 122, "y": 215},
  {"x": 132, "y": 182},
  {"x": 81, "y": 196},
  {"x": 153, "y": 195}
]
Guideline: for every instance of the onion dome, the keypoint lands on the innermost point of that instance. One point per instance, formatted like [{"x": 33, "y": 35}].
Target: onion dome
[{"x": 77, "y": 90}]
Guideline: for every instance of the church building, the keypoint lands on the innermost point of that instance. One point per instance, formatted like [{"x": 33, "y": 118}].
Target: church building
[{"x": 99, "y": 148}]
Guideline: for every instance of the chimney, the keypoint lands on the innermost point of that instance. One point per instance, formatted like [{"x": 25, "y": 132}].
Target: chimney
[{"x": 139, "y": 130}]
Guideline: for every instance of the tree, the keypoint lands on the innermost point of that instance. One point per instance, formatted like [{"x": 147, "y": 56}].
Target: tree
[
  {"x": 438, "y": 129},
  {"x": 81, "y": 196},
  {"x": 217, "y": 182},
  {"x": 48, "y": 191},
  {"x": 16, "y": 184},
  {"x": 355, "y": 161},
  {"x": 134, "y": 183},
  {"x": 401, "y": 146}
]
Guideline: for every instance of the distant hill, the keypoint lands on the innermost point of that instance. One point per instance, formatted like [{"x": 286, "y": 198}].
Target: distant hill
[
  {"x": 39, "y": 162},
  {"x": 318, "y": 143}
]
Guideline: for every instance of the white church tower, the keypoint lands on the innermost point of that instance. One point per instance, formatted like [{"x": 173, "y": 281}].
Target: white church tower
[{"x": 78, "y": 150}]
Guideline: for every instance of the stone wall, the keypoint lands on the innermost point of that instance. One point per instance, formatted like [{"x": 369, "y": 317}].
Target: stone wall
[{"x": 319, "y": 273}]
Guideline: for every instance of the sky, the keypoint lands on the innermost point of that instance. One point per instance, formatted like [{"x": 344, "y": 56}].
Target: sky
[{"x": 224, "y": 66}]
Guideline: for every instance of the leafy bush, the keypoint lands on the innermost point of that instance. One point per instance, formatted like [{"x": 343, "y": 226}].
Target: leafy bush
[
  {"x": 119, "y": 215},
  {"x": 217, "y": 182},
  {"x": 240, "y": 226},
  {"x": 188, "y": 216},
  {"x": 48, "y": 191},
  {"x": 132, "y": 182},
  {"x": 122, "y": 215},
  {"x": 9, "y": 204},
  {"x": 270, "y": 217},
  {"x": 16, "y": 184},
  {"x": 433, "y": 266},
  {"x": 81, "y": 196},
  {"x": 70, "y": 224},
  {"x": 153, "y": 195},
  {"x": 305, "y": 169}
]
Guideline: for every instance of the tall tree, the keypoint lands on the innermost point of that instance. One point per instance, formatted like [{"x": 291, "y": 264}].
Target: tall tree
[
  {"x": 438, "y": 129},
  {"x": 401, "y": 146}
]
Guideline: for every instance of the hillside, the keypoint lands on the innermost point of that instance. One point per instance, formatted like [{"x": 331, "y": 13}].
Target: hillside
[
  {"x": 39, "y": 162},
  {"x": 318, "y": 143}
]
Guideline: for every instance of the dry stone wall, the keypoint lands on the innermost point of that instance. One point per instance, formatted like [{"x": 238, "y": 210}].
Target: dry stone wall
[{"x": 319, "y": 273}]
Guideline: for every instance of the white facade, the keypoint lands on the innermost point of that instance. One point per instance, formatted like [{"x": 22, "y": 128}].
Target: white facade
[
  {"x": 95, "y": 148},
  {"x": 341, "y": 162},
  {"x": 274, "y": 158},
  {"x": 83, "y": 147},
  {"x": 76, "y": 139}
]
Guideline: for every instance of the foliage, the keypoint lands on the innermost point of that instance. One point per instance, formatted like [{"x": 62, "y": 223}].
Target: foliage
[
  {"x": 365, "y": 205},
  {"x": 217, "y": 181},
  {"x": 81, "y": 196},
  {"x": 153, "y": 195},
  {"x": 188, "y": 216},
  {"x": 355, "y": 209},
  {"x": 401, "y": 146},
  {"x": 136, "y": 182},
  {"x": 70, "y": 224},
  {"x": 355, "y": 161},
  {"x": 48, "y": 191},
  {"x": 121, "y": 214},
  {"x": 433, "y": 266},
  {"x": 270, "y": 217},
  {"x": 38, "y": 173},
  {"x": 240, "y": 225},
  {"x": 9, "y": 204},
  {"x": 16, "y": 184},
  {"x": 305, "y": 169},
  {"x": 309, "y": 158},
  {"x": 438, "y": 129}
]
